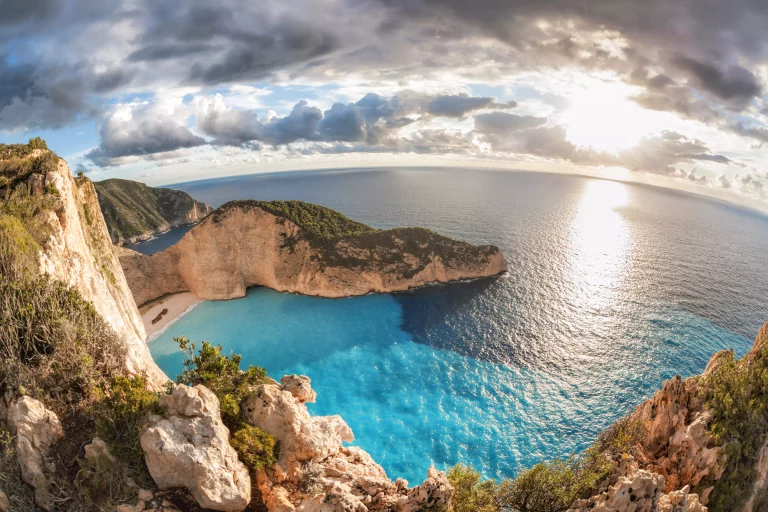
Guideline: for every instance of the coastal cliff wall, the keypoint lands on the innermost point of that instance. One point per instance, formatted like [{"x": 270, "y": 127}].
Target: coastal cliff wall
[
  {"x": 135, "y": 212},
  {"x": 79, "y": 253},
  {"x": 243, "y": 245}
]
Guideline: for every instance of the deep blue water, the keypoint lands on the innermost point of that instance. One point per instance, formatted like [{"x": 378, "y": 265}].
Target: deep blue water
[{"x": 612, "y": 288}]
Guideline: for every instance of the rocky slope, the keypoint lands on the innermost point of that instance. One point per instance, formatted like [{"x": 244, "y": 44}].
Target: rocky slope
[
  {"x": 677, "y": 464},
  {"x": 135, "y": 212},
  {"x": 301, "y": 248},
  {"x": 79, "y": 253}
]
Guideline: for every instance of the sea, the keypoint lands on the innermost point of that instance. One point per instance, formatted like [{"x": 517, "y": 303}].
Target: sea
[{"x": 612, "y": 288}]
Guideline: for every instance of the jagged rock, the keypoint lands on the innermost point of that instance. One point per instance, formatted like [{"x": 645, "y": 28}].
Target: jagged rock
[
  {"x": 302, "y": 437},
  {"x": 681, "y": 501},
  {"x": 639, "y": 491},
  {"x": 316, "y": 473},
  {"x": 678, "y": 445},
  {"x": 189, "y": 447},
  {"x": 300, "y": 387},
  {"x": 37, "y": 429},
  {"x": 434, "y": 493}
]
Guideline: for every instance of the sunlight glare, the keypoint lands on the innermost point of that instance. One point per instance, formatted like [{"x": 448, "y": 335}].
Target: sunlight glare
[{"x": 603, "y": 116}]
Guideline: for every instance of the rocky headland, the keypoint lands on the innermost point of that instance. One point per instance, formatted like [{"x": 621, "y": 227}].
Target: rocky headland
[
  {"x": 135, "y": 212},
  {"x": 291, "y": 246}
]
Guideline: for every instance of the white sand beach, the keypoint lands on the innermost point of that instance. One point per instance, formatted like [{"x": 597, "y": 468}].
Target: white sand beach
[{"x": 176, "y": 305}]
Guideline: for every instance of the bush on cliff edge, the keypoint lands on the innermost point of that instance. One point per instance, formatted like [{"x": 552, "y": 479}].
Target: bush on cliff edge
[
  {"x": 737, "y": 397},
  {"x": 231, "y": 385}
]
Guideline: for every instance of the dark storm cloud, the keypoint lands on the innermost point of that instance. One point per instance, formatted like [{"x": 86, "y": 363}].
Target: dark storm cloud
[
  {"x": 162, "y": 51},
  {"x": 13, "y": 12},
  {"x": 733, "y": 83}
]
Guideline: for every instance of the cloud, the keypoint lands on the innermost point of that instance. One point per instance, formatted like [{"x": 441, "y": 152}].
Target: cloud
[
  {"x": 734, "y": 84},
  {"x": 459, "y": 105},
  {"x": 373, "y": 119},
  {"x": 141, "y": 130},
  {"x": 661, "y": 154}
]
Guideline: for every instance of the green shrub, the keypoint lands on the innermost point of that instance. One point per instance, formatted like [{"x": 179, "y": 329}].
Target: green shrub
[
  {"x": 472, "y": 493},
  {"x": 231, "y": 385},
  {"x": 52, "y": 341},
  {"x": 737, "y": 397},
  {"x": 255, "y": 448},
  {"x": 316, "y": 222},
  {"x": 222, "y": 375},
  {"x": 121, "y": 414}
]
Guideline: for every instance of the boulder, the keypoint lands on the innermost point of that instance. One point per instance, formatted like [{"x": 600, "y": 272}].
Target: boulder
[
  {"x": 189, "y": 447},
  {"x": 37, "y": 429}
]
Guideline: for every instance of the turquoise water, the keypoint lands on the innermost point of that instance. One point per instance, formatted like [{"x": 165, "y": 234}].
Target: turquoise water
[{"x": 612, "y": 289}]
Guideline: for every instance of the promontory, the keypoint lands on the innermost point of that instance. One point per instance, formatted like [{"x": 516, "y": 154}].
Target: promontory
[
  {"x": 135, "y": 212},
  {"x": 293, "y": 246}
]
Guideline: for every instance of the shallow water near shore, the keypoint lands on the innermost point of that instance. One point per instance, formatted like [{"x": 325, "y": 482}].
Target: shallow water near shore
[{"x": 612, "y": 289}]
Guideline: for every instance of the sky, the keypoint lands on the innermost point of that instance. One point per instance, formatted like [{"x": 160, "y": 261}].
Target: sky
[{"x": 666, "y": 92}]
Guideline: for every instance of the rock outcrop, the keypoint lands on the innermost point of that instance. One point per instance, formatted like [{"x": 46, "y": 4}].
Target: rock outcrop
[
  {"x": 189, "y": 447},
  {"x": 250, "y": 243},
  {"x": 36, "y": 429},
  {"x": 640, "y": 490},
  {"x": 80, "y": 254},
  {"x": 316, "y": 472},
  {"x": 135, "y": 212}
]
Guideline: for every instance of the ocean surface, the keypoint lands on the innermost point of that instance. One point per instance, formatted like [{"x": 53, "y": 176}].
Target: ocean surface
[{"x": 612, "y": 289}]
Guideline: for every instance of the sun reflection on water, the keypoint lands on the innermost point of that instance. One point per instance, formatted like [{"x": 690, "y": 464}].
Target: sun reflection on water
[{"x": 600, "y": 246}]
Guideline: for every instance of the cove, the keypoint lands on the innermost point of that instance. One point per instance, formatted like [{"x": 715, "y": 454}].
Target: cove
[{"x": 411, "y": 404}]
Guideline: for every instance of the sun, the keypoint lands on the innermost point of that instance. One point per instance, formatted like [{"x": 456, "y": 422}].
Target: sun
[{"x": 603, "y": 116}]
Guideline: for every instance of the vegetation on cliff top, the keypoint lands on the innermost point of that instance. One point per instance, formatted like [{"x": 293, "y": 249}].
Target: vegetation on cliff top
[
  {"x": 17, "y": 161},
  {"x": 342, "y": 242},
  {"x": 550, "y": 486},
  {"x": 231, "y": 385},
  {"x": 133, "y": 209},
  {"x": 315, "y": 221},
  {"x": 736, "y": 393}
]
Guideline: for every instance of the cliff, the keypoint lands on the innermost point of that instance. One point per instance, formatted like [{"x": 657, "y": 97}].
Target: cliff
[
  {"x": 79, "y": 253},
  {"x": 302, "y": 248},
  {"x": 135, "y": 212}
]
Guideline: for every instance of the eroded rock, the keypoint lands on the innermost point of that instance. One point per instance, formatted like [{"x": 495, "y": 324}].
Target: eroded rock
[
  {"x": 37, "y": 429},
  {"x": 189, "y": 447},
  {"x": 316, "y": 472}
]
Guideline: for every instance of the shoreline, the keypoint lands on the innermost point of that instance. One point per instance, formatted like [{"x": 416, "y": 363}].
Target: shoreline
[{"x": 177, "y": 305}]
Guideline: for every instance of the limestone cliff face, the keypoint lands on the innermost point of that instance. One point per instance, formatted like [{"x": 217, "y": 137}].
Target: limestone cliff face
[
  {"x": 241, "y": 246},
  {"x": 80, "y": 254},
  {"x": 135, "y": 212}
]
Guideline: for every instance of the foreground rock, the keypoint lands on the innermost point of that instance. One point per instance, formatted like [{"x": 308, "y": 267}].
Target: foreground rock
[
  {"x": 316, "y": 473},
  {"x": 189, "y": 447},
  {"x": 247, "y": 243},
  {"x": 36, "y": 429}
]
